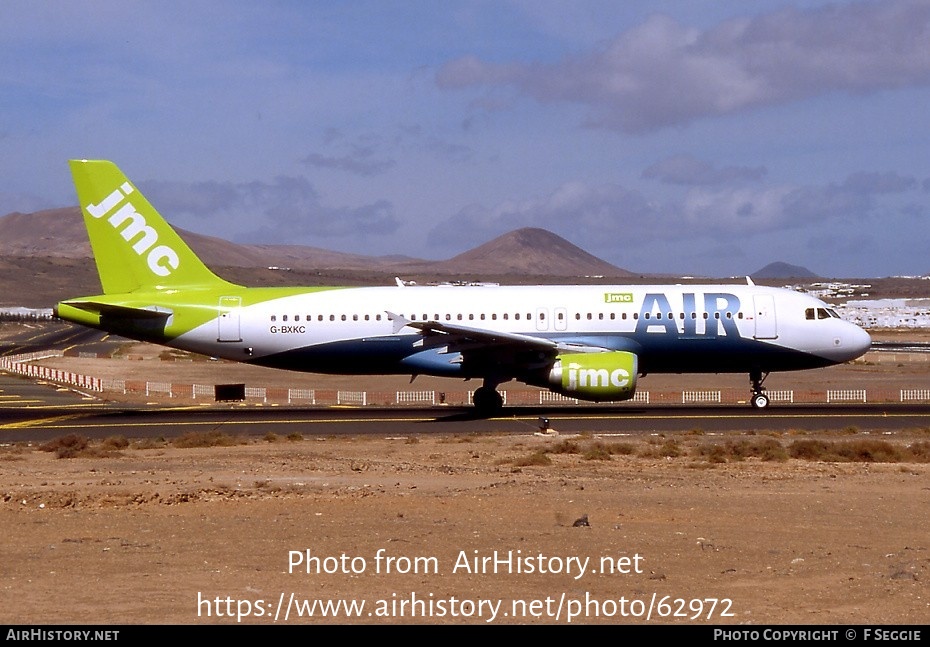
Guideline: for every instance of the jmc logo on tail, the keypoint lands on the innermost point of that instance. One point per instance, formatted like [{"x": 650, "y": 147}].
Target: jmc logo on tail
[{"x": 161, "y": 259}]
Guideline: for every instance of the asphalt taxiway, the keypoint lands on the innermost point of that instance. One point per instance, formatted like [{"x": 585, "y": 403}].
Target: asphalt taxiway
[{"x": 37, "y": 412}]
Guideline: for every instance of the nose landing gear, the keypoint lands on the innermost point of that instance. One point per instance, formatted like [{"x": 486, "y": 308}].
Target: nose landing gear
[{"x": 759, "y": 399}]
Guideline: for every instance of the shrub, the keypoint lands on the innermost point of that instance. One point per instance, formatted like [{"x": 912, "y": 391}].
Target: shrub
[
  {"x": 538, "y": 458},
  {"x": 204, "y": 439},
  {"x": 68, "y": 446}
]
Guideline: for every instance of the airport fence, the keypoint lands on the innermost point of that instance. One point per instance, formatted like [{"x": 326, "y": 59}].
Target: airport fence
[{"x": 27, "y": 365}]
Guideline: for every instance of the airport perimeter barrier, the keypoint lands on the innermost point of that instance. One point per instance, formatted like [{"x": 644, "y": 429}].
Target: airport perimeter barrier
[
  {"x": 24, "y": 364},
  {"x": 21, "y": 364}
]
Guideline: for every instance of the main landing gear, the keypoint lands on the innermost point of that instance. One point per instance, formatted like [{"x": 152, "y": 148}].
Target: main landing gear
[
  {"x": 487, "y": 400},
  {"x": 759, "y": 399}
]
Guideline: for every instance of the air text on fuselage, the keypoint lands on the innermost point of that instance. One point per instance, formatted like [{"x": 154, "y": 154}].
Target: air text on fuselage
[{"x": 717, "y": 318}]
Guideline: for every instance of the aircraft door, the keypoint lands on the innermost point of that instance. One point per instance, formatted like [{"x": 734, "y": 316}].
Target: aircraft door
[
  {"x": 561, "y": 319},
  {"x": 542, "y": 319},
  {"x": 766, "y": 324},
  {"x": 228, "y": 319}
]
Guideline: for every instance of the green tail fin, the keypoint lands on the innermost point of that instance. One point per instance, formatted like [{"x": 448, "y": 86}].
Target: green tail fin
[{"x": 133, "y": 246}]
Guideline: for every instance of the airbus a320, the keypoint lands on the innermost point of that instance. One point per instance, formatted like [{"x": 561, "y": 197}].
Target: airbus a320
[{"x": 589, "y": 342}]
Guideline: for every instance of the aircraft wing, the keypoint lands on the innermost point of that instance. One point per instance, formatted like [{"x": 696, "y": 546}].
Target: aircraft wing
[{"x": 465, "y": 338}]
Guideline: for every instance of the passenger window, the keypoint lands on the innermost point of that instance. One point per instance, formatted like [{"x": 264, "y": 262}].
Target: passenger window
[{"x": 274, "y": 318}]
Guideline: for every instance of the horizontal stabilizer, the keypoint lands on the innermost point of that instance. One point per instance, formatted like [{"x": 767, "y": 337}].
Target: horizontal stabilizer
[{"x": 121, "y": 312}]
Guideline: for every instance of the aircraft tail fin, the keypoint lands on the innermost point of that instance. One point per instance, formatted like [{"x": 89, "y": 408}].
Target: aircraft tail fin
[{"x": 134, "y": 247}]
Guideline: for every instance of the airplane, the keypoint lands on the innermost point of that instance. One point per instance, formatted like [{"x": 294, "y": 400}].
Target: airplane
[{"x": 591, "y": 342}]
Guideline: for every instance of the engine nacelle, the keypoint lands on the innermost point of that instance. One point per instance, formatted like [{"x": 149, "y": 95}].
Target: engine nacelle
[{"x": 595, "y": 376}]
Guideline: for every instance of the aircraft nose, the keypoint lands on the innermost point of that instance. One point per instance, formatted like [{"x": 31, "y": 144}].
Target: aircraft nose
[
  {"x": 844, "y": 342},
  {"x": 852, "y": 342}
]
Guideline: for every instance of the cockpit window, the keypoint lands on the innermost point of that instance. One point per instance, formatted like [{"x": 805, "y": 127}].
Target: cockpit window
[{"x": 820, "y": 313}]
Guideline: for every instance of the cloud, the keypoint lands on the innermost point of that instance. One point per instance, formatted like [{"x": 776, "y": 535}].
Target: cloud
[
  {"x": 609, "y": 217},
  {"x": 689, "y": 171},
  {"x": 359, "y": 163},
  {"x": 587, "y": 215},
  {"x": 662, "y": 73},
  {"x": 290, "y": 207}
]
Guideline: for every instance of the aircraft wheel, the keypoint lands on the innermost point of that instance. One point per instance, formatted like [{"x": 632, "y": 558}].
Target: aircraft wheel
[
  {"x": 487, "y": 401},
  {"x": 759, "y": 401}
]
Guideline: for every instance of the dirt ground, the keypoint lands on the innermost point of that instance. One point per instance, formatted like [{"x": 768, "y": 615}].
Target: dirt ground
[
  {"x": 255, "y": 533},
  {"x": 676, "y": 529}
]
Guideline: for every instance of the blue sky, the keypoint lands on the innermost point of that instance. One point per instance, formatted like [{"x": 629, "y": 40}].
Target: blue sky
[{"x": 693, "y": 137}]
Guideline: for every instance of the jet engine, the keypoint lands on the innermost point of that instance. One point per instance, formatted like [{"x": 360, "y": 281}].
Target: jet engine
[{"x": 595, "y": 376}]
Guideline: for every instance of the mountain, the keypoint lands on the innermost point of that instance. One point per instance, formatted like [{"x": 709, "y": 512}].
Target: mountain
[
  {"x": 52, "y": 246},
  {"x": 61, "y": 233},
  {"x": 779, "y": 270},
  {"x": 531, "y": 251}
]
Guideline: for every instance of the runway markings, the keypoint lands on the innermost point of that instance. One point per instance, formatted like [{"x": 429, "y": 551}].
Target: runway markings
[{"x": 37, "y": 422}]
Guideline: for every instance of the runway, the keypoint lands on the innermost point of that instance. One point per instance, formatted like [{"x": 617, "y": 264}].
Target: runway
[{"x": 39, "y": 412}]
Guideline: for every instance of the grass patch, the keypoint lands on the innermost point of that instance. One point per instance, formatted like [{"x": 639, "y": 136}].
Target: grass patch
[
  {"x": 70, "y": 446},
  {"x": 565, "y": 447},
  {"x": 738, "y": 449},
  {"x": 77, "y": 446},
  {"x": 150, "y": 443},
  {"x": 114, "y": 443},
  {"x": 538, "y": 458},
  {"x": 920, "y": 451},
  {"x": 194, "y": 439},
  {"x": 855, "y": 451}
]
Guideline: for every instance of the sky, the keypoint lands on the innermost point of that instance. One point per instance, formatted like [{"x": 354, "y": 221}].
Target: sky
[{"x": 698, "y": 137}]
